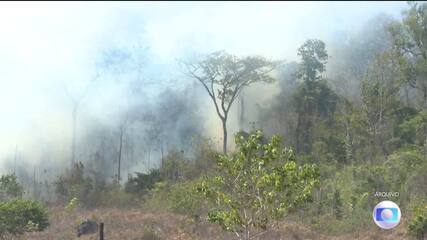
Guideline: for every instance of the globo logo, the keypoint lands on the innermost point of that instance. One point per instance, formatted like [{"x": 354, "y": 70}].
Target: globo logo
[{"x": 387, "y": 215}]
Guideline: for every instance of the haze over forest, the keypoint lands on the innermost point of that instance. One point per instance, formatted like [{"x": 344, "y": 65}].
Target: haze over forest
[{"x": 118, "y": 59}]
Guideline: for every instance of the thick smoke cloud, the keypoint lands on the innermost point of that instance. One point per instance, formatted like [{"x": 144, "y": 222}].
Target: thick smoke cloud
[{"x": 119, "y": 62}]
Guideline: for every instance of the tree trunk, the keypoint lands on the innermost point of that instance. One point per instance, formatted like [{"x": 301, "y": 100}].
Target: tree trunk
[
  {"x": 149, "y": 159},
  {"x": 348, "y": 144},
  {"x": 224, "y": 129},
  {"x": 348, "y": 137},
  {"x": 162, "y": 154},
  {"x": 14, "y": 165},
  {"x": 242, "y": 113},
  {"x": 297, "y": 134},
  {"x": 73, "y": 140},
  {"x": 35, "y": 193},
  {"x": 120, "y": 156},
  {"x": 372, "y": 148}
]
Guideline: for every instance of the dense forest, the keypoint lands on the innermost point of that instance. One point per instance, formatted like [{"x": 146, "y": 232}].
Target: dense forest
[{"x": 251, "y": 148}]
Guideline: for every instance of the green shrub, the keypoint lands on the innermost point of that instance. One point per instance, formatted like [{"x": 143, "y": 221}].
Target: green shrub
[
  {"x": 180, "y": 197},
  {"x": 337, "y": 204},
  {"x": 418, "y": 225},
  {"x": 10, "y": 188},
  {"x": 184, "y": 199},
  {"x": 174, "y": 165},
  {"x": 259, "y": 178},
  {"x": 142, "y": 182},
  {"x": 75, "y": 185},
  {"x": 18, "y": 216},
  {"x": 155, "y": 199}
]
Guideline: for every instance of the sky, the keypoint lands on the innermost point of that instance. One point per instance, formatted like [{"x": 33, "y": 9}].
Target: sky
[{"x": 49, "y": 51}]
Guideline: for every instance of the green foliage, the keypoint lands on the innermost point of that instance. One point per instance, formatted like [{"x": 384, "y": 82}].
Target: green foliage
[
  {"x": 358, "y": 220},
  {"x": 73, "y": 204},
  {"x": 410, "y": 40},
  {"x": 10, "y": 188},
  {"x": 400, "y": 168},
  {"x": 74, "y": 184},
  {"x": 416, "y": 181},
  {"x": 418, "y": 225},
  {"x": 315, "y": 98},
  {"x": 183, "y": 198},
  {"x": 380, "y": 91},
  {"x": 118, "y": 198},
  {"x": 337, "y": 204},
  {"x": 202, "y": 161},
  {"x": 230, "y": 71},
  {"x": 404, "y": 126},
  {"x": 180, "y": 197},
  {"x": 77, "y": 190},
  {"x": 314, "y": 58},
  {"x": 142, "y": 182},
  {"x": 112, "y": 195},
  {"x": 412, "y": 129},
  {"x": 156, "y": 198},
  {"x": 173, "y": 166},
  {"x": 257, "y": 184},
  {"x": 314, "y": 102},
  {"x": 224, "y": 76},
  {"x": 313, "y": 95},
  {"x": 18, "y": 216}
]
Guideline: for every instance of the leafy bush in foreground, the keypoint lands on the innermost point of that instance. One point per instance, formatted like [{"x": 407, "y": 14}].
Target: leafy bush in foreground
[
  {"x": 256, "y": 185},
  {"x": 183, "y": 198},
  {"x": 18, "y": 216}
]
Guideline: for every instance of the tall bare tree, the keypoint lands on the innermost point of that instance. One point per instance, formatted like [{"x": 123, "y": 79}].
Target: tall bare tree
[
  {"x": 122, "y": 130},
  {"x": 76, "y": 101},
  {"x": 224, "y": 76}
]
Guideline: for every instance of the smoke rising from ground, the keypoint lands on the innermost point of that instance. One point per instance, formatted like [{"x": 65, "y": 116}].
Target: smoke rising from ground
[{"x": 118, "y": 61}]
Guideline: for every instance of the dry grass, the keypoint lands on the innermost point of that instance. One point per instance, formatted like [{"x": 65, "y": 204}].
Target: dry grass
[{"x": 136, "y": 224}]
